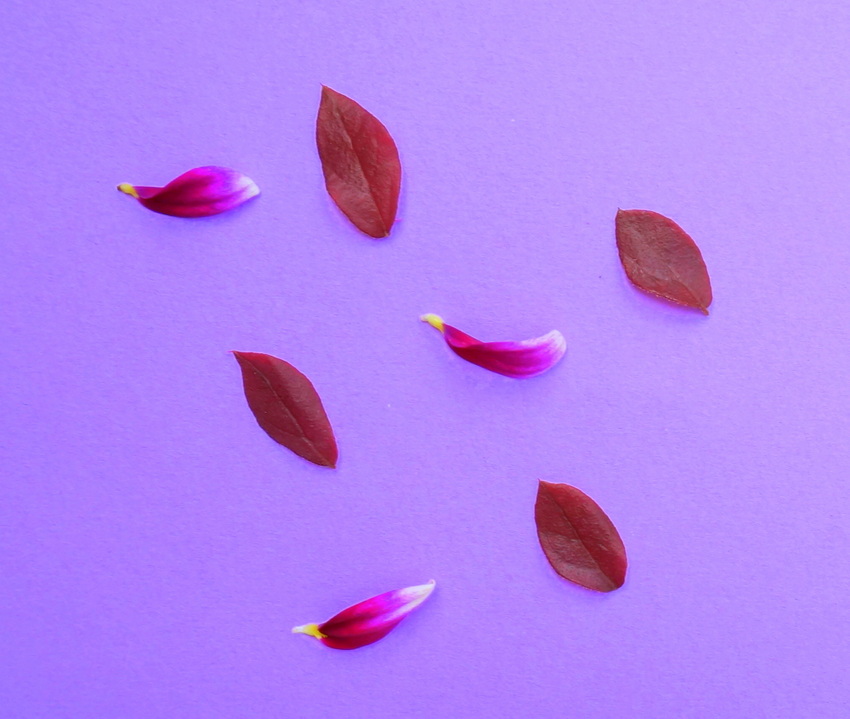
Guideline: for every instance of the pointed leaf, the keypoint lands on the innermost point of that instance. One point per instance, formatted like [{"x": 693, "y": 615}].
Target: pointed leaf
[
  {"x": 660, "y": 258},
  {"x": 287, "y": 407},
  {"x": 360, "y": 163},
  {"x": 578, "y": 539}
]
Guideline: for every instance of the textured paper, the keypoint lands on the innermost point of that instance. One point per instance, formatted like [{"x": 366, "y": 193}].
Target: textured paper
[{"x": 156, "y": 547}]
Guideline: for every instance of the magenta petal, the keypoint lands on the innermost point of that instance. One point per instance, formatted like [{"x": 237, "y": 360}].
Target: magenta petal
[
  {"x": 370, "y": 620},
  {"x": 527, "y": 358},
  {"x": 358, "y": 639},
  {"x": 201, "y": 192}
]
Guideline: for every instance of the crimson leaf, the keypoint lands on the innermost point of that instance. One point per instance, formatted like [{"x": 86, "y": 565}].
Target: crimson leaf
[
  {"x": 287, "y": 407},
  {"x": 662, "y": 259},
  {"x": 360, "y": 163},
  {"x": 578, "y": 539}
]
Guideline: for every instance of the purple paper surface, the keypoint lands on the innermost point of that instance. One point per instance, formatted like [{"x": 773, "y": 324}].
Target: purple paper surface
[{"x": 156, "y": 546}]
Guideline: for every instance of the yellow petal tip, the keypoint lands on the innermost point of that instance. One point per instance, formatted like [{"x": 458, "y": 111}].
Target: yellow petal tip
[
  {"x": 435, "y": 321},
  {"x": 311, "y": 629},
  {"x": 128, "y": 189}
]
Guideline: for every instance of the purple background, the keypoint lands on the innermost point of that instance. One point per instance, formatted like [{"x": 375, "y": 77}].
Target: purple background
[{"x": 157, "y": 547}]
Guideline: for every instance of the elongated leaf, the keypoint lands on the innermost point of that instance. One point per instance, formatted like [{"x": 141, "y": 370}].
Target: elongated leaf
[
  {"x": 578, "y": 539},
  {"x": 360, "y": 163},
  {"x": 287, "y": 407},
  {"x": 661, "y": 258}
]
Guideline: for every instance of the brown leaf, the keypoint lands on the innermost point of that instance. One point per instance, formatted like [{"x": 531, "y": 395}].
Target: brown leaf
[
  {"x": 578, "y": 539},
  {"x": 287, "y": 407},
  {"x": 660, "y": 258},
  {"x": 360, "y": 163}
]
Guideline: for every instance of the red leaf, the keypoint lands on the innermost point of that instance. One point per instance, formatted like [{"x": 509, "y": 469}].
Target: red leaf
[
  {"x": 287, "y": 407},
  {"x": 661, "y": 258},
  {"x": 360, "y": 162},
  {"x": 578, "y": 539}
]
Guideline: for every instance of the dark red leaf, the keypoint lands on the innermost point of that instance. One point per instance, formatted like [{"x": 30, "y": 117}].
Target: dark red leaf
[
  {"x": 360, "y": 162},
  {"x": 662, "y": 259},
  {"x": 579, "y": 540},
  {"x": 287, "y": 407}
]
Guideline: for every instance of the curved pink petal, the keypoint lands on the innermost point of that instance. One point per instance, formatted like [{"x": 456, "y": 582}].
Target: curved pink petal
[
  {"x": 527, "y": 358},
  {"x": 201, "y": 192},
  {"x": 369, "y": 620}
]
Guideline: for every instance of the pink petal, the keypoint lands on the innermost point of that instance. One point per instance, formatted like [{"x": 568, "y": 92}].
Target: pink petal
[
  {"x": 370, "y": 620},
  {"x": 201, "y": 192},
  {"x": 527, "y": 358}
]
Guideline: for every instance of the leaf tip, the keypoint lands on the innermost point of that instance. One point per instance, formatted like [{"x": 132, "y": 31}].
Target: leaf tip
[
  {"x": 329, "y": 456},
  {"x": 611, "y": 583},
  {"x": 128, "y": 189}
]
